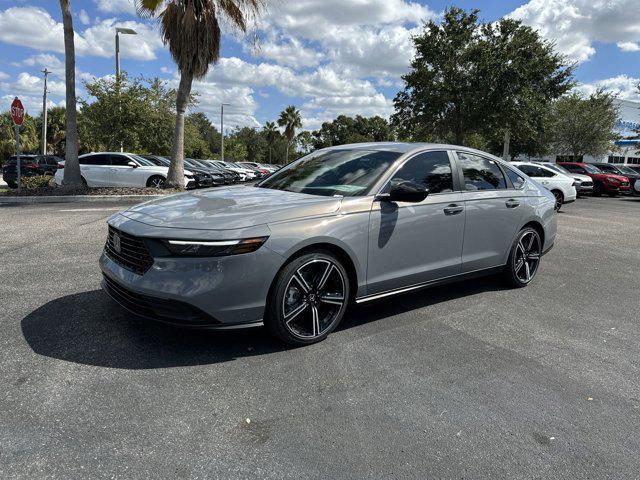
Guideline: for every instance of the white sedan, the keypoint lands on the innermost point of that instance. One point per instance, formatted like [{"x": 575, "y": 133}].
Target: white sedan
[
  {"x": 115, "y": 169},
  {"x": 562, "y": 186}
]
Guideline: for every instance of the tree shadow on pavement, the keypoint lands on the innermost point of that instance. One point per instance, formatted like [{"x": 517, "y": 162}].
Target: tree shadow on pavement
[{"x": 89, "y": 328}]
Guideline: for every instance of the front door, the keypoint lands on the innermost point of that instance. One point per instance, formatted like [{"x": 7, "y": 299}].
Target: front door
[
  {"x": 413, "y": 243},
  {"x": 493, "y": 212}
]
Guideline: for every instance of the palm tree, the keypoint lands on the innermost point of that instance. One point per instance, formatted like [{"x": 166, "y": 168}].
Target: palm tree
[
  {"x": 72, "y": 175},
  {"x": 290, "y": 119},
  {"x": 191, "y": 30},
  {"x": 271, "y": 129}
]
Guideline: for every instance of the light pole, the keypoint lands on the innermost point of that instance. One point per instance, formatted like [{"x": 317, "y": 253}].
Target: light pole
[
  {"x": 222, "y": 105},
  {"x": 124, "y": 31},
  {"x": 44, "y": 112}
]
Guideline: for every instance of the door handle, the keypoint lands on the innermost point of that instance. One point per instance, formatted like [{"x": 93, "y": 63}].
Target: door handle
[
  {"x": 512, "y": 203},
  {"x": 453, "y": 209}
]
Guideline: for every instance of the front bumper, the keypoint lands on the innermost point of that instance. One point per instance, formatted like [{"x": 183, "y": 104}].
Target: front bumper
[{"x": 206, "y": 292}]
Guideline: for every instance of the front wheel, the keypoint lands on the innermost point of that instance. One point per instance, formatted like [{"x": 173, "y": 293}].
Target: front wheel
[
  {"x": 309, "y": 299},
  {"x": 524, "y": 258}
]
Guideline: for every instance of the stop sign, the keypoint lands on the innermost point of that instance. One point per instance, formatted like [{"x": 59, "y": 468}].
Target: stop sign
[{"x": 17, "y": 111}]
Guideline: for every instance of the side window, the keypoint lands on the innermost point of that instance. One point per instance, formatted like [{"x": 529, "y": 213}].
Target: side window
[
  {"x": 431, "y": 169},
  {"x": 517, "y": 180},
  {"x": 98, "y": 159},
  {"x": 120, "y": 160},
  {"x": 545, "y": 173},
  {"x": 574, "y": 168},
  {"x": 481, "y": 173}
]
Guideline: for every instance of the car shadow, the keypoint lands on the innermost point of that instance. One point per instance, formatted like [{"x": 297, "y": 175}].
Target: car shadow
[{"x": 89, "y": 328}]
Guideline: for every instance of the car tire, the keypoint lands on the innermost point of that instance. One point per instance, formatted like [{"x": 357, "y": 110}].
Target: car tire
[
  {"x": 598, "y": 189},
  {"x": 524, "y": 258},
  {"x": 156, "y": 181},
  {"x": 559, "y": 199},
  {"x": 308, "y": 298}
]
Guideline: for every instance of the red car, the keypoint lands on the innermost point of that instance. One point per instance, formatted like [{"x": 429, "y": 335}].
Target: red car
[{"x": 609, "y": 183}]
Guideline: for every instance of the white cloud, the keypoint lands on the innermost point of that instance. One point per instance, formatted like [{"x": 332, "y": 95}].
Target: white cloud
[
  {"x": 33, "y": 27},
  {"x": 27, "y": 84},
  {"x": 116, "y": 6},
  {"x": 629, "y": 46},
  {"x": 3, "y": 76},
  {"x": 42, "y": 60},
  {"x": 84, "y": 17},
  {"x": 623, "y": 86},
  {"x": 575, "y": 25},
  {"x": 290, "y": 52}
]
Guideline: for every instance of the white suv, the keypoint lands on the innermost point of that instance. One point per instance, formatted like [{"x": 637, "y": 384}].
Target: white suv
[
  {"x": 115, "y": 169},
  {"x": 562, "y": 187}
]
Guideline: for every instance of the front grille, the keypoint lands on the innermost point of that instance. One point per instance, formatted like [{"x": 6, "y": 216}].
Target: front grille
[
  {"x": 133, "y": 254},
  {"x": 587, "y": 184},
  {"x": 162, "y": 309}
]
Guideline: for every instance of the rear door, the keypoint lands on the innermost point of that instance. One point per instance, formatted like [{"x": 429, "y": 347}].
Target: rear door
[
  {"x": 413, "y": 243},
  {"x": 95, "y": 169},
  {"x": 494, "y": 209},
  {"x": 122, "y": 174}
]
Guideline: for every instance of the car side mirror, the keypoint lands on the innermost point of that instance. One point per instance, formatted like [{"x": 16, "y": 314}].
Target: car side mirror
[
  {"x": 405, "y": 191},
  {"x": 132, "y": 164}
]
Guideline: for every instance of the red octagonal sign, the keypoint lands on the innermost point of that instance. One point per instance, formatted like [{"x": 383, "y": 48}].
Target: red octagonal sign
[{"x": 17, "y": 111}]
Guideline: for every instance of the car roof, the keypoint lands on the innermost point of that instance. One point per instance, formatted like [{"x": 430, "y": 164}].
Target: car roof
[{"x": 407, "y": 147}]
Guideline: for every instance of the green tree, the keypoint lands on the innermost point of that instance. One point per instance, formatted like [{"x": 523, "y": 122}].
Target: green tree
[
  {"x": 72, "y": 167},
  {"x": 290, "y": 119},
  {"x": 29, "y": 140},
  {"x": 206, "y": 130},
  {"x": 304, "y": 142},
  {"x": 526, "y": 75},
  {"x": 271, "y": 133},
  {"x": 584, "y": 125},
  {"x": 255, "y": 143},
  {"x": 56, "y": 130},
  {"x": 235, "y": 150},
  {"x": 345, "y": 130},
  {"x": 191, "y": 30},
  {"x": 471, "y": 78}
]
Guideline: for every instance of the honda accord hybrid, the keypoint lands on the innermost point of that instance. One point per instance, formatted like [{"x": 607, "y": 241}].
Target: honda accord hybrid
[{"x": 352, "y": 223}]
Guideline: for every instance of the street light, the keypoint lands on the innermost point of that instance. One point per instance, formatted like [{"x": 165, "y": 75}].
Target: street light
[
  {"x": 124, "y": 31},
  {"x": 222, "y": 105}
]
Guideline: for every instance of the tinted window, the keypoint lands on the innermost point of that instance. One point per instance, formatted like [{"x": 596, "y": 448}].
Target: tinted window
[
  {"x": 98, "y": 159},
  {"x": 608, "y": 168},
  {"x": 481, "y": 173},
  {"x": 431, "y": 169},
  {"x": 344, "y": 172},
  {"x": 574, "y": 168},
  {"x": 535, "y": 171},
  {"x": 120, "y": 160},
  {"x": 53, "y": 160},
  {"x": 517, "y": 180}
]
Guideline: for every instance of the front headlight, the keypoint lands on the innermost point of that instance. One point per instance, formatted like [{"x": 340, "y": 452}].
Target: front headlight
[
  {"x": 198, "y": 248},
  {"x": 612, "y": 180}
]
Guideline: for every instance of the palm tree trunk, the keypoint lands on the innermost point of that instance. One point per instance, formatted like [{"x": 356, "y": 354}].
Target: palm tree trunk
[
  {"x": 72, "y": 175},
  {"x": 175, "y": 177}
]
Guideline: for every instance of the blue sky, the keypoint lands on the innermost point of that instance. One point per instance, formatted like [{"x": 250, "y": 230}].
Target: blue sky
[{"x": 328, "y": 57}]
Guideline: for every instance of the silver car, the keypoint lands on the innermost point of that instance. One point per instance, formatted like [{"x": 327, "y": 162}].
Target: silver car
[{"x": 353, "y": 223}]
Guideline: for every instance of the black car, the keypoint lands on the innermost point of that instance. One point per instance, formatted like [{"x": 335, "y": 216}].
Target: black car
[
  {"x": 229, "y": 176},
  {"x": 203, "y": 178},
  {"x": 623, "y": 170},
  {"x": 30, "y": 166}
]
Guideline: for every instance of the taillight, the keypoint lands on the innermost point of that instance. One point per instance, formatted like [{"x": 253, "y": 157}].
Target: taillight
[
  {"x": 60, "y": 166},
  {"x": 31, "y": 165}
]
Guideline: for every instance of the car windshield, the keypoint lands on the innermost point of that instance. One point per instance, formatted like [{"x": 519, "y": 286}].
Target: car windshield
[
  {"x": 143, "y": 161},
  {"x": 345, "y": 172},
  {"x": 557, "y": 168},
  {"x": 626, "y": 170},
  {"x": 591, "y": 168}
]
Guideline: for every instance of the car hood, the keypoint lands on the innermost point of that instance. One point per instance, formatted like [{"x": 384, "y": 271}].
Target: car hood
[{"x": 230, "y": 208}]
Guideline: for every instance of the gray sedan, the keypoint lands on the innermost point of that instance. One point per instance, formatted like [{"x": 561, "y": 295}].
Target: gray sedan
[{"x": 353, "y": 223}]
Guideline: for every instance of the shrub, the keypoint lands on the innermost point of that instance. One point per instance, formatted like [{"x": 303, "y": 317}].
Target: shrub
[{"x": 37, "y": 182}]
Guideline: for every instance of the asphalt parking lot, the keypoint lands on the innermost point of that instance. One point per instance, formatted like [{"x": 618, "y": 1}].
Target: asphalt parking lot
[{"x": 464, "y": 381}]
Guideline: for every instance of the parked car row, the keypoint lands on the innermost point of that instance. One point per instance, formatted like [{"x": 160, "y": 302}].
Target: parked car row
[
  {"x": 30, "y": 166},
  {"x": 116, "y": 169},
  {"x": 568, "y": 180}
]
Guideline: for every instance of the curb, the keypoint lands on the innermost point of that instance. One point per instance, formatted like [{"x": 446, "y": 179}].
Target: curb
[{"x": 76, "y": 199}]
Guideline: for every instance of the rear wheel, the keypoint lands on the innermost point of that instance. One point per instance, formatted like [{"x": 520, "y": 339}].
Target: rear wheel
[
  {"x": 559, "y": 199},
  {"x": 309, "y": 299},
  {"x": 156, "y": 182},
  {"x": 524, "y": 258}
]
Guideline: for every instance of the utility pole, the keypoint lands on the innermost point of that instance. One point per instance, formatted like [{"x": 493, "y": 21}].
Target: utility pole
[
  {"x": 124, "y": 31},
  {"x": 44, "y": 112},
  {"x": 222, "y": 105}
]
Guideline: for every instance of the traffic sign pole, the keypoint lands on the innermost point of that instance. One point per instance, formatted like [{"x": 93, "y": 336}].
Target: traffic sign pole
[
  {"x": 17, "y": 128},
  {"x": 17, "y": 115}
]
